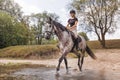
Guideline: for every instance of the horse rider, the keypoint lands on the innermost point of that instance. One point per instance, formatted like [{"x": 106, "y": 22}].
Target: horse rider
[{"x": 72, "y": 26}]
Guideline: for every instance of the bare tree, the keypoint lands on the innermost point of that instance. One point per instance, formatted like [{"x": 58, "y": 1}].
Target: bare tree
[{"x": 99, "y": 14}]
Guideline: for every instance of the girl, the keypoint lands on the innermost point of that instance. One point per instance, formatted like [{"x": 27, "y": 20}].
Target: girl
[
  {"x": 72, "y": 26},
  {"x": 72, "y": 23}
]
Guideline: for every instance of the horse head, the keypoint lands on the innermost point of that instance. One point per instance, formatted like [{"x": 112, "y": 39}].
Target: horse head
[{"x": 49, "y": 28}]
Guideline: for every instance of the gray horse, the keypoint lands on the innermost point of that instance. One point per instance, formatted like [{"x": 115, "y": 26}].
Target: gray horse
[{"x": 67, "y": 43}]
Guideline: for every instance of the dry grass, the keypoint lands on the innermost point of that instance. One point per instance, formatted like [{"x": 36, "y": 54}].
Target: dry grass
[
  {"x": 29, "y": 51},
  {"x": 110, "y": 44},
  {"x": 47, "y": 51}
]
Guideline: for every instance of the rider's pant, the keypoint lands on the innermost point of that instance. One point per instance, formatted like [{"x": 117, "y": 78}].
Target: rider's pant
[{"x": 75, "y": 32}]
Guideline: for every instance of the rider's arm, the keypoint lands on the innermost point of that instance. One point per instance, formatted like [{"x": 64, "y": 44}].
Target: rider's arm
[
  {"x": 67, "y": 26},
  {"x": 74, "y": 26}
]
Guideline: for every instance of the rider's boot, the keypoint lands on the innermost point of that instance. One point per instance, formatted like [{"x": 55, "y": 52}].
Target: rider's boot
[{"x": 77, "y": 44}]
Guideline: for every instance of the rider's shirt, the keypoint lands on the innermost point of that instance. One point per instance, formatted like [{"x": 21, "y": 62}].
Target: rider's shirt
[{"x": 72, "y": 21}]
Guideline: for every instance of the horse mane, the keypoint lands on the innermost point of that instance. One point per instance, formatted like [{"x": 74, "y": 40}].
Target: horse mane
[{"x": 59, "y": 25}]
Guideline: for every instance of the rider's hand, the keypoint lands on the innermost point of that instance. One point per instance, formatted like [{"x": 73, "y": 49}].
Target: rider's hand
[
  {"x": 72, "y": 28},
  {"x": 68, "y": 28}
]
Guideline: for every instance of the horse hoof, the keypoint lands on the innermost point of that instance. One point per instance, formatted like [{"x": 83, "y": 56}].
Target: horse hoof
[
  {"x": 80, "y": 70},
  {"x": 57, "y": 69},
  {"x": 67, "y": 71},
  {"x": 57, "y": 75}
]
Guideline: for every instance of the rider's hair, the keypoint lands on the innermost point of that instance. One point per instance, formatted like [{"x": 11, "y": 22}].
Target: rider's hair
[{"x": 72, "y": 11}]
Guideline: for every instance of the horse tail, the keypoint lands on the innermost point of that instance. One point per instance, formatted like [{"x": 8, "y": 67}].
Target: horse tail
[{"x": 90, "y": 53}]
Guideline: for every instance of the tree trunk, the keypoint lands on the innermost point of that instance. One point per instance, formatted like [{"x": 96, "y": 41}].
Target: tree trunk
[
  {"x": 103, "y": 43},
  {"x": 40, "y": 38},
  {"x": 40, "y": 41}
]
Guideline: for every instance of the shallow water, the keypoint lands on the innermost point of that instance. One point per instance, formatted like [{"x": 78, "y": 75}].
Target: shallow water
[{"x": 50, "y": 74}]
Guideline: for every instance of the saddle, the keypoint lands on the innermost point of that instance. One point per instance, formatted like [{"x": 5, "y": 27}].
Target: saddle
[{"x": 76, "y": 41}]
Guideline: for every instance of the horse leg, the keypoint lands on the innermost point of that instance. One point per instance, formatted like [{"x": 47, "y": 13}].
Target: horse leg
[
  {"x": 60, "y": 60},
  {"x": 83, "y": 55},
  {"x": 79, "y": 56},
  {"x": 66, "y": 64},
  {"x": 79, "y": 65}
]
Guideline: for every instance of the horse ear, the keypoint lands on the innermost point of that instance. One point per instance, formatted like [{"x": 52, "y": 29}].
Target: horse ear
[{"x": 49, "y": 20}]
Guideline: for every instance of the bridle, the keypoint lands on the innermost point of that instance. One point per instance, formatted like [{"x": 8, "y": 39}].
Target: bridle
[{"x": 50, "y": 32}]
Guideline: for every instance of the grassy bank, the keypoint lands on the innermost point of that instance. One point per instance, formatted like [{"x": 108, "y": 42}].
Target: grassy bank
[
  {"x": 110, "y": 44},
  {"x": 47, "y": 51},
  {"x": 29, "y": 51}
]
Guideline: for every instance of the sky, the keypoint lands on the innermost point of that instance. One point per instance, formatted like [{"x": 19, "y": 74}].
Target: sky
[
  {"x": 60, "y": 8},
  {"x": 52, "y": 6}
]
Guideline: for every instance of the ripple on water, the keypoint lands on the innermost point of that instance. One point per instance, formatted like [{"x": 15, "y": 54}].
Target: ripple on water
[{"x": 50, "y": 74}]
